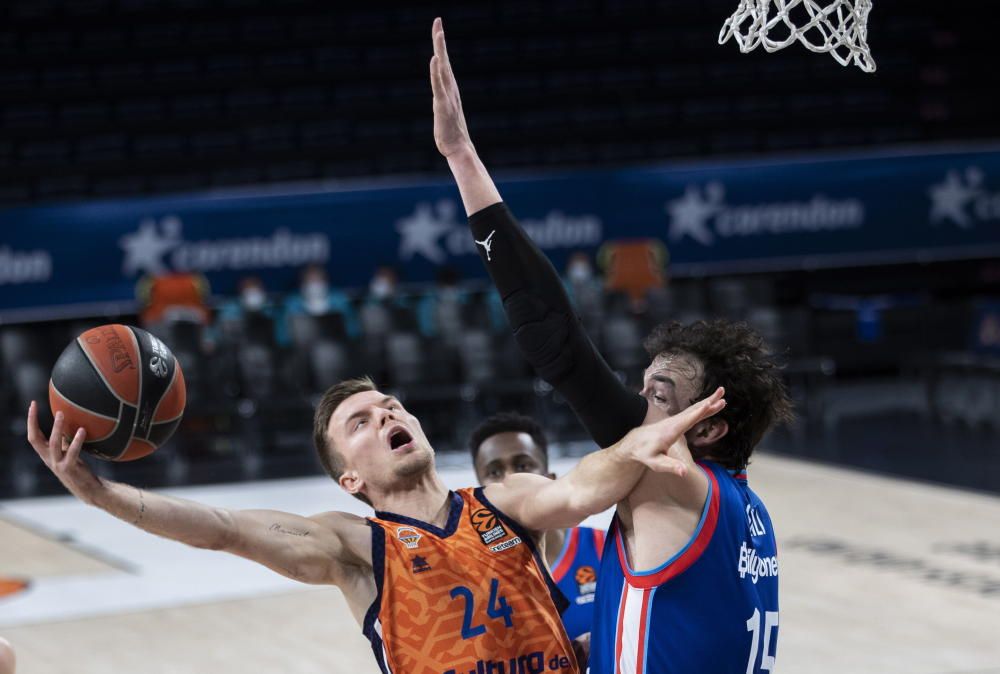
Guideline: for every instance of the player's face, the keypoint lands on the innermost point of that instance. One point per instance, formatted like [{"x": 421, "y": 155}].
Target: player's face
[
  {"x": 380, "y": 441},
  {"x": 672, "y": 382},
  {"x": 505, "y": 453}
]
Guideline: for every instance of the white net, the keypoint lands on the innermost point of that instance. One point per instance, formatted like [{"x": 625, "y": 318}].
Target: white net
[{"x": 839, "y": 27}]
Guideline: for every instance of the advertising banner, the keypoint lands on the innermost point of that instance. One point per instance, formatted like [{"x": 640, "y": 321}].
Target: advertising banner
[{"x": 714, "y": 219}]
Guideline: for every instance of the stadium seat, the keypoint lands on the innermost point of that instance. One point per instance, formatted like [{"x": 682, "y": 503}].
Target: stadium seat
[{"x": 477, "y": 357}]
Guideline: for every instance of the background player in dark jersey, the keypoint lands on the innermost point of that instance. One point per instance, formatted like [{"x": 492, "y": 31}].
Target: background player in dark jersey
[
  {"x": 509, "y": 443},
  {"x": 688, "y": 581}
]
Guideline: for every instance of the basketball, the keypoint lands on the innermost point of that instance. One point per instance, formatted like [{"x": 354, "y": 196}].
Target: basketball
[{"x": 123, "y": 386}]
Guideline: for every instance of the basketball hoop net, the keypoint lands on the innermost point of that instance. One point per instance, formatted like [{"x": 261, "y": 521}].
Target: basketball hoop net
[{"x": 839, "y": 27}]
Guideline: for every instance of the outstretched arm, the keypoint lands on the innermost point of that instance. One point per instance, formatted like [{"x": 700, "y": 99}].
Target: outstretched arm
[
  {"x": 310, "y": 550},
  {"x": 545, "y": 326},
  {"x": 604, "y": 478}
]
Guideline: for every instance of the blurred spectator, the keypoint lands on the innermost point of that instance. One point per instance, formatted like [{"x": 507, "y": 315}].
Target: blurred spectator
[
  {"x": 382, "y": 287},
  {"x": 251, "y": 302},
  {"x": 439, "y": 311},
  {"x": 384, "y": 309},
  {"x": 318, "y": 299},
  {"x": 173, "y": 297},
  {"x": 986, "y": 332},
  {"x": 585, "y": 289}
]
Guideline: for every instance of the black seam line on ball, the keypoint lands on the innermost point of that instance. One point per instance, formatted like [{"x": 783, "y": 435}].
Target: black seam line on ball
[{"x": 93, "y": 413}]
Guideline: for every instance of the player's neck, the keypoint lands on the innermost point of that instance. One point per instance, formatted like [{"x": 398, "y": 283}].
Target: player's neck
[
  {"x": 554, "y": 541},
  {"x": 425, "y": 499}
]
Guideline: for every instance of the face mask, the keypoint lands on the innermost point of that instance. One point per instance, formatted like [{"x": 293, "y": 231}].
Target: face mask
[
  {"x": 381, "y": 287},
  {"x": 253, "y": 299},
  {"x": 313, "y": 290},
  {"x": 579, "y": 273}
]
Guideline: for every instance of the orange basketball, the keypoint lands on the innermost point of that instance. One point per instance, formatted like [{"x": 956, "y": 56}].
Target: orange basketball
[{"x": 123, "y": 386}]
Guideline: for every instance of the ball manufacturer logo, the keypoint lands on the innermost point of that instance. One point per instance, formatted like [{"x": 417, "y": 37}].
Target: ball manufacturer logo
[
  {"x": 409, "y": 536},
  {"x": 120, "y": 359}
]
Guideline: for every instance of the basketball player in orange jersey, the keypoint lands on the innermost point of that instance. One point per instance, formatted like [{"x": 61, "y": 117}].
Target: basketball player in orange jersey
[{"x": 441, "y": 582}]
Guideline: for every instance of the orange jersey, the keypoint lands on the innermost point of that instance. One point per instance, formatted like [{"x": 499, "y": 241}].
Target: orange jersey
[{"x": 472, "y": 598}]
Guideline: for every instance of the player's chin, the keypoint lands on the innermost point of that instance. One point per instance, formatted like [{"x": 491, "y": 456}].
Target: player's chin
[{"x": 413, "y": 462}]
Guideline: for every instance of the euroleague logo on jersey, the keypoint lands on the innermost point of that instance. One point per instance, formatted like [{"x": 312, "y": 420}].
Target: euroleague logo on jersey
[
  {"x": 486, "y": 525},
  {"x": 586, "y": 582}
]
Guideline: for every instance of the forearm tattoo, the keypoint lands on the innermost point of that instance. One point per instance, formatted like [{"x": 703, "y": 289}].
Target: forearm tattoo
[
  {"x": 142, "y": 508},
  {"x": 277, "y": 528}
]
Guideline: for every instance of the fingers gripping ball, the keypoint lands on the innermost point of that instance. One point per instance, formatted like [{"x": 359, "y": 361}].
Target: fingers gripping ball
[{"x": 123, "y": 386}]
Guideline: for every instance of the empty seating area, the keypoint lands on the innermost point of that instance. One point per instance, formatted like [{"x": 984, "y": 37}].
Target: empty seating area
[{"x": 105, "y": 98}]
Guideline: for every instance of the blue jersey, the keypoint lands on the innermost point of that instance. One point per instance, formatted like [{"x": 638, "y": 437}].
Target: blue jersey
[
  {"x": 575, "y": 572},
  {"x": 713, "y": 607}
]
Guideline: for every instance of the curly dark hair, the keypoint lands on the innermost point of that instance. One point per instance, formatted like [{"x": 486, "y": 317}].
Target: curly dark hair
[
  {"x": 736, "y": 357},
  {"x": 508, "y": 422}
]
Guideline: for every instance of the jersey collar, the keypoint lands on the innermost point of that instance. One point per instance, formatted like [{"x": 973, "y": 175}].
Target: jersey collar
[{"x": 454, "y": 514}]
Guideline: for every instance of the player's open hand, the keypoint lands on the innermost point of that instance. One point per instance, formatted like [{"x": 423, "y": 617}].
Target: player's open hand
[
  {"x": 62, "y": 456},
  {"x": 661, "y": 446},
  {"x": 451, "y": 134}
]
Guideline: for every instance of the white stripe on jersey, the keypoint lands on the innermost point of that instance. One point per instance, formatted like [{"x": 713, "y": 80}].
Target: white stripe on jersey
[{"x": 632, "y": 620}]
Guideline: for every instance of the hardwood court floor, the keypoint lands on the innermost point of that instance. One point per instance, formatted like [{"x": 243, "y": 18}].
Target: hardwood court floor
[
  {"x": 878, "y": 575},
  {"x": 41, "y": 555}
]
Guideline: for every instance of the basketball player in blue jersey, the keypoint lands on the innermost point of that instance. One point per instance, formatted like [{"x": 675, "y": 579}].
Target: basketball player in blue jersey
[
  {"x": 509, "y": 443},
  {"x": 689, "y": 576}
]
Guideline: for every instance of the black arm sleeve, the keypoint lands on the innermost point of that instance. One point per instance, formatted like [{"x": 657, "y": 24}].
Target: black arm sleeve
[{"x": 548, "y": 331}]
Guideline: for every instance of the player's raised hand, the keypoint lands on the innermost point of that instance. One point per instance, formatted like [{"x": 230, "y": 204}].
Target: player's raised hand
[
  {"x": 451, "y": 134},
  {"x": 62, "y": 456},
  {"x": 661, "y": 446}
]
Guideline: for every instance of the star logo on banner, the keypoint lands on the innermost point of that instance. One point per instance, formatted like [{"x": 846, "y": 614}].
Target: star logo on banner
[
  {"x": 421, "y": 232},
  {"x": 950, "y": 198},
  {"x": 144, "y": 250},
  {"x": 690, "y": 214}
]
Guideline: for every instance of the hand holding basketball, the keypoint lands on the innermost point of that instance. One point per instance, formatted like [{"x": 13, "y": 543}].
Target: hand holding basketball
[
  {"x": 451, "y": 134},
  {"x": 63, "y": 456},
  {"x": 661, "y": 446}
]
